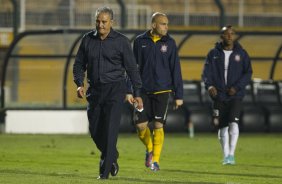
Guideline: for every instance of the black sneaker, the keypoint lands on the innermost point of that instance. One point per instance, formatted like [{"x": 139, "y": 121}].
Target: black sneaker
[{"x": 114, "y": 169}]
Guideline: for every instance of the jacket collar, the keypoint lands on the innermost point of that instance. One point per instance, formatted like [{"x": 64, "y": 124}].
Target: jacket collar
[
  {"x": 147, "y": 35},
  {"x": 112, "y": 34}
]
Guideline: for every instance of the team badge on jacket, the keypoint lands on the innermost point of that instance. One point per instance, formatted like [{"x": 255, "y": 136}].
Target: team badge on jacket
[
  {"x": 164, "y": 48},
  {"x": 237, "y": 58}
]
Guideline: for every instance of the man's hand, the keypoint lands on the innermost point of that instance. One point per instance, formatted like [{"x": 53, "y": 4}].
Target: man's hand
[
  {"x": 138, "y": 102},
  {"x": 129, "y": 98},
  {"x": 80, "y": 92},
  {"x": 212, "y": 91},
  {"x": 232, "y": 91},
  {"x": 177, "y": 103}
]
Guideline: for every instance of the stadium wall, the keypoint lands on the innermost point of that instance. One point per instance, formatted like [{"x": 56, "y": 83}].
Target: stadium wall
[{"x": 46, "y": 122}]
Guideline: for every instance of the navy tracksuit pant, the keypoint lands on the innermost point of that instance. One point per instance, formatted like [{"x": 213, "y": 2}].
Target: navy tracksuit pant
[{"x": 104, "y": 114}]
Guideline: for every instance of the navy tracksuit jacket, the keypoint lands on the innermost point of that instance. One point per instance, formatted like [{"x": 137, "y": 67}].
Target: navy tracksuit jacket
[
  {"x": 238, "y": 76},
  {"x": 159, "y": 64}
]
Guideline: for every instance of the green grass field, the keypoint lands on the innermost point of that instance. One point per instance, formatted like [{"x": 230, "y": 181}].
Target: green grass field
[{"x": 74, "y": 159}]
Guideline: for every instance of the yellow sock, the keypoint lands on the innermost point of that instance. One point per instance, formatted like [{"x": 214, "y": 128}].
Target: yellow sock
[
  {"x": 158, "y": 144},
  {"x": 145, "y": 137}
]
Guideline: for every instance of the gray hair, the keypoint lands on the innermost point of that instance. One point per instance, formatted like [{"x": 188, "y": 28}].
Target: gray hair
[{"x": 105, "y": 9}]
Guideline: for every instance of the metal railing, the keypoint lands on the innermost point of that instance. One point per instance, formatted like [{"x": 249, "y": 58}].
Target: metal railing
[
  {"x": 39, "y": 76},
  {"x": 70, "y": 14}
]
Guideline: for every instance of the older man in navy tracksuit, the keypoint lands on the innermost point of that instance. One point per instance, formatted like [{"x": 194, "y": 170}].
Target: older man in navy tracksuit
[{"x": 226, "y": 73}]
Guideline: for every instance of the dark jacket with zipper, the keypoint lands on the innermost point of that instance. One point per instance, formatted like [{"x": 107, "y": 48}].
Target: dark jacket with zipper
[
  {"x": 239, "y": 71},
  {"x": 106, "y": 60},
  {"x": 159, "y": 64}
]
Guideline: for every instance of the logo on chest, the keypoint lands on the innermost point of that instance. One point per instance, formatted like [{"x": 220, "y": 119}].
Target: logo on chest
[
  {"x": 164, "y": 48},
  {"x": 237, "y": 58}
]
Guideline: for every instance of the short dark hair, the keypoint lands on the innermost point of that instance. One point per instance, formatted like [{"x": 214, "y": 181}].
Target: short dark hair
[
  {"x": 224, "y": 28},
  {"x": 105, "y": 9}
]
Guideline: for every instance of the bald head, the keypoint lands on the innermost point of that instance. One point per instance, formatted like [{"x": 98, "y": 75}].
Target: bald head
[
  {"x": 156, "y": 15},
  {"x": 159, "y": 24}
]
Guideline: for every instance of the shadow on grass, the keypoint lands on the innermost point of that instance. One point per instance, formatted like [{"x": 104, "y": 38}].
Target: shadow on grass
[
  {"x": 225, "y": 174},
  {"x": 140, "y": 180},
  {"x": 16, "y": 171},
  {"x": 263, "y": 166},
  {"x": 143, "y": 180},
  {"x": 120, "y": 179}
]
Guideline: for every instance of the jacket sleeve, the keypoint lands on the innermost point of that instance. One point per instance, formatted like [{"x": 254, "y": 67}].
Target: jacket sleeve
[
  {"x": 247, "y": 73},
  {"x": 176, "y": 73},
  {"x": 129, "y": 89},
  {"x": 207, "y": 71},
  {"x": 132, "y": 71},
  {"x": 80, "y": 64},
  {"x": 128, "y": 81}
]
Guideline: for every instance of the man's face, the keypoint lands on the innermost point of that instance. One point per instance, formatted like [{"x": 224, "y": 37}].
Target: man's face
[
  {"x": 160, "y": 26},
  {"x": 103, "y": 24},
  {"x": 228, "y": 37}
]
